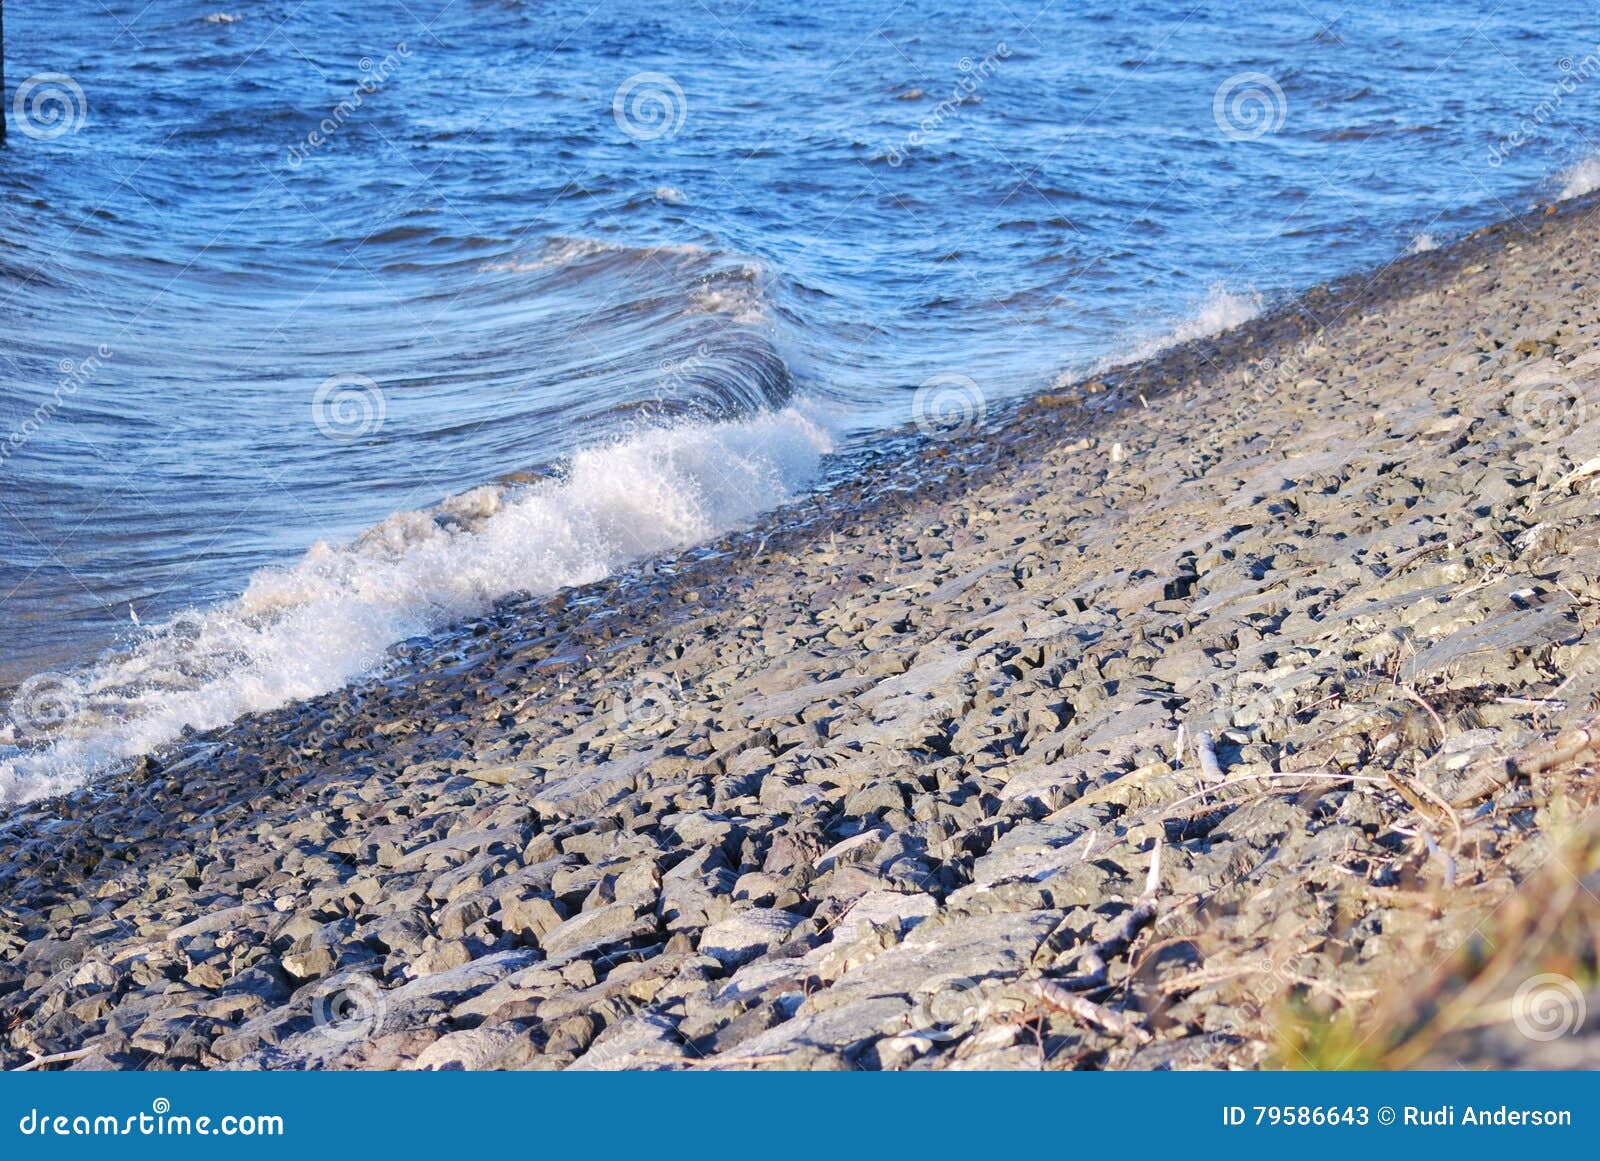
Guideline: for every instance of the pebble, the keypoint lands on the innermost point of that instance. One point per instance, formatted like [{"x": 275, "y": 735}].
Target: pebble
[{"x": 913, "y": 744}]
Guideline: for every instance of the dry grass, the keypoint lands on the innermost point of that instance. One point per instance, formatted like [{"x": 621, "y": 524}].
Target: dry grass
[{"x": 1459, "y": 956}]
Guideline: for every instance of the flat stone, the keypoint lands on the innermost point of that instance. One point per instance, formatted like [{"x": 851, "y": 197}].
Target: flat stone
[
  {"x": 225, "y": 919},
  {"x": 788, "y": 703},
  {"x": 501, "y": 775},
  {"x": 1051, "y": 784},
  {"x": 637, "y": 1042},
  {"x": 1518, "y": 629},
  {"x": 747, "y": 934},
  {"x": 590, "y": 930},
  {"x": 591, "y": 791},
  {"x": 818, "y": 1039},
  {"x": 892, "y": 909},
  {"x": 939, "y": 954}
]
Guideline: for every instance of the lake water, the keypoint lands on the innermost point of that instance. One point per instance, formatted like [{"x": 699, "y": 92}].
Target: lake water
[{"x": 278, "y": 279}]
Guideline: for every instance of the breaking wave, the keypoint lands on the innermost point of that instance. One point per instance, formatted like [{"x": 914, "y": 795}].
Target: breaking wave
[{"x": 303, "y": 630}]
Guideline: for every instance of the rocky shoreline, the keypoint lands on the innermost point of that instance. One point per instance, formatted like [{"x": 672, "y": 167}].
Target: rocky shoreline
[{"x": 1165, "y": 718}]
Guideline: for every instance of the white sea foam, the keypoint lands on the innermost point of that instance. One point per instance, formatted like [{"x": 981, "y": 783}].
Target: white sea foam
[
  {"x": 1421, "y": 244},
  {"x": 1220, "y": 310},
  {"x": 743, "y": 302},
  {"x": 1581, "y": 178},
  {"x": 560, "y": 252},
  {"x": 328, "y": 619}
]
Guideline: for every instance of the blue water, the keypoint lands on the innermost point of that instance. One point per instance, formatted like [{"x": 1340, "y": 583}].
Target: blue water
[{"x": 277, "y": 271}]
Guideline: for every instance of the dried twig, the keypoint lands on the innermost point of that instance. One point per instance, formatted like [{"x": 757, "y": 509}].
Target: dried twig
[
  {"x": 1438, "y": 722},
  {"x": 1426, "y": 801},
  {"x": 1566, "y": 746},
  {"x": 1490, "y": 778},
  {"x": 53, "y": 1058},
  {"x": 1134, "y": 920},
  {"x": 1581, "y": 472},
  {"x": 1055, "y": 996},
  {"x": 1262, "y": 776}
]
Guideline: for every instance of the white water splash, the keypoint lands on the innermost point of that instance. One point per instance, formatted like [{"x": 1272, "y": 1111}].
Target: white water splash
[
  {"x": 1580, "y": 179},
  {"x": 326, "y": 620},
  {"x": 1221, "y": 309}
]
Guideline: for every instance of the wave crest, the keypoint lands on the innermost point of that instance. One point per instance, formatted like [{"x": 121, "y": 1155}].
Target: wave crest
[{"x": 328, "y": 619}]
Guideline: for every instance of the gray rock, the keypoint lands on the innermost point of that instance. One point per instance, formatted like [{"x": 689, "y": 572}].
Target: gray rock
[
  {"x": 638, "y": 1042},
  {"x": 744, "y": 936},
  {"x": 592, "y": 930}
]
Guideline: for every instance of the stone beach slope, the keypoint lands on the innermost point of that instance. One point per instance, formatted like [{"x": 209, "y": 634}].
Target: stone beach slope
[{"x": 1225, "y": 690}]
